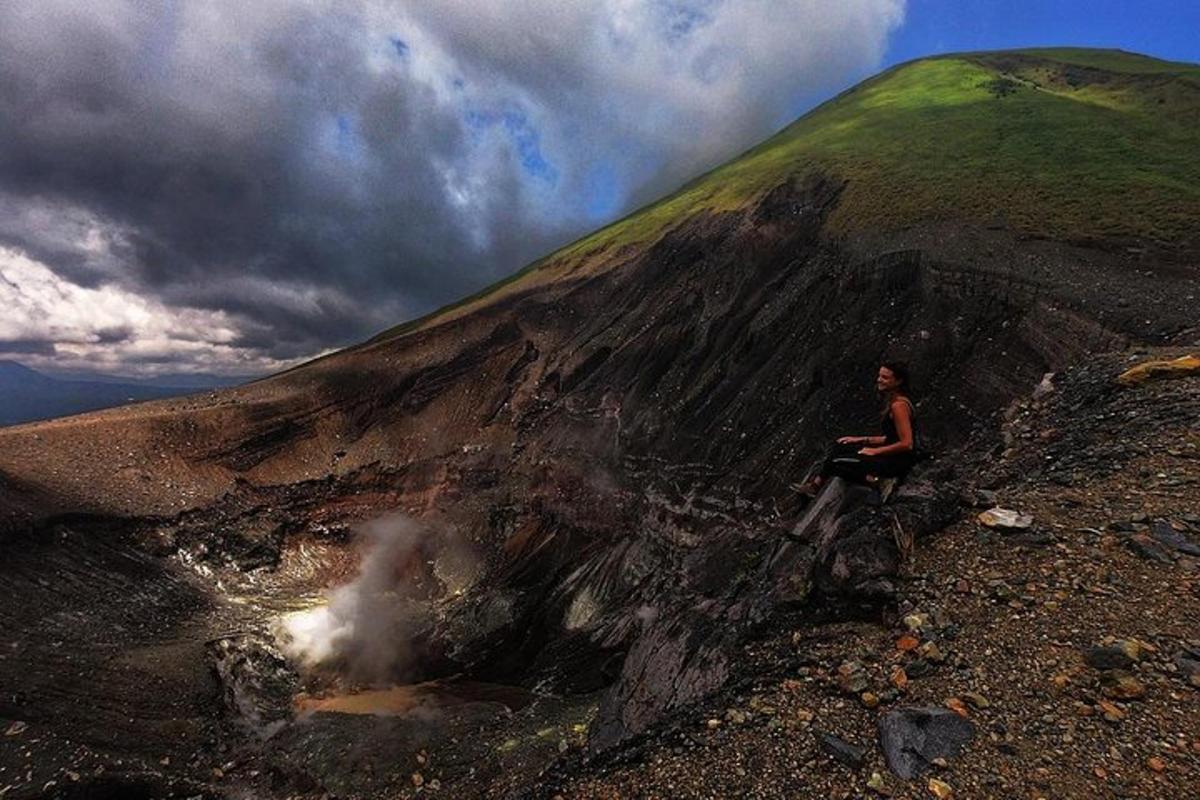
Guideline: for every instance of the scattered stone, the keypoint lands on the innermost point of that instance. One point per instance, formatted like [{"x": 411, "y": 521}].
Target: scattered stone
[
  {"x": 16, "y": 729},
  {"x": 713, "y": 724},
  {"x": 957, "y": 706},
  {"x": 976, "y": 700},
  {"x": 1188, "y": 667},
  {"x": 736, "y": 716},
  {"x": 1106, "y": 658},
  {"x": 912, "y": 737},
  {"x": 940, "y": 789},
  {"x": 931, "y": 652},
  {"x": 907, "y": 642},
  {"x": 1121, "y": 686},
  {"x": 1005, "y": 519},
  {"x": 984, "y": 498},
  {"x": 842, "y": 751},
  {"x": 852, "y": 678},
  {"x": 1167, "y": 536},
  {"x": 869, "y": 699},
  {"x": 1045, "y": 387},
  {"x": 916, "y": 622},
  {"x": 899, "y": 678},
  {"x": 1155, "y": 763},
  {"x": 1111, "y": 712},
  {"x": 876, "y": 784},
  {"x": 1032, "y": 539},
  {"x": 1149, "y": 548},
  {"x": 918, "y": 668}
]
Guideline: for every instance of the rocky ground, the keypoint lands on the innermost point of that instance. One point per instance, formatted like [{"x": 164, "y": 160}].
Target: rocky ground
[
  {"x": 1057, "y": 657},
  {"x": 1072, "y": 647}
]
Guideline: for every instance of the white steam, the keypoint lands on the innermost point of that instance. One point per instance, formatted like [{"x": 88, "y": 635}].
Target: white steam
[{"x": 367, "y": 629}]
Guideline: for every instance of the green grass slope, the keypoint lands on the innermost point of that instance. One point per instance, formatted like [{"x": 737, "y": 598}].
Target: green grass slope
[{"x": 1078, "y": 145}]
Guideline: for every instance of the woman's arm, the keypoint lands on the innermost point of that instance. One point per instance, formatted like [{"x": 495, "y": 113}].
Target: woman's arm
[
  {"x": 861, "y": 440},
  {"x": 902, "y": 416}
]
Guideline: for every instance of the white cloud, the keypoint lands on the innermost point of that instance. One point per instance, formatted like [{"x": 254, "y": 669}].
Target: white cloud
[
  {"x": 303, "y": 173},
  {"x": 110, "y": 329},
  {"x": 676, "y": 84}
]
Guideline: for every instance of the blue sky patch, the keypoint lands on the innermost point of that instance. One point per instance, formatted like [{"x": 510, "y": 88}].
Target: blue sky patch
[{"x": 524, "y": 136}]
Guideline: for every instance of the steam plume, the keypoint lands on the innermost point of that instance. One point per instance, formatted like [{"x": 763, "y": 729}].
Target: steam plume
[{"x": 368, "y": 627}]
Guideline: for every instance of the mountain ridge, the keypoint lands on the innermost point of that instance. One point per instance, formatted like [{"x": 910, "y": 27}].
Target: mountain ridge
[{"x": 615, "y": 231}]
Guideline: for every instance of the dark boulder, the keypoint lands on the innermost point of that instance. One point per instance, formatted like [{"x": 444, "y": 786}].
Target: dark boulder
[
  {"x": 859, "y": 553},
  {"x": 842, "y": 751},
  {"x": 1106, "y": 658},
  {"x": 912, "y": 738},
  {"x": 1164, "y": 534},
  {"x": 846, "y": 544},
  {"x": 1150, "y": 548}
]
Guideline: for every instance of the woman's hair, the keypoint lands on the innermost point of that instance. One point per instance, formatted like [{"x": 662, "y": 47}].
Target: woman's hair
[{"x": 900, "y": 370}]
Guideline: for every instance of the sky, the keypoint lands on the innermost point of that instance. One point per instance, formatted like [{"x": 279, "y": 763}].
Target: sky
[{"x": 231, "y": 187}]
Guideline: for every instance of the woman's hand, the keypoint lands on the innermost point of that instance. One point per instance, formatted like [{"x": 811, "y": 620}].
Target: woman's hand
[
  {"x": 869, "y": 451},
  {"x": 851, "y": 439}
]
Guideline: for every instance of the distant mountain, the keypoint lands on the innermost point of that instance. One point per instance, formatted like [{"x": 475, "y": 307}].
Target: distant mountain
[
  {"x": 185, "y": 381},
  {"x": 27, "y": 395}
]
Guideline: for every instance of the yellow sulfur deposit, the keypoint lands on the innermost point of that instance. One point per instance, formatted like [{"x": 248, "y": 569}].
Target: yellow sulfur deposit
[{"x": 1178, "y": 367}]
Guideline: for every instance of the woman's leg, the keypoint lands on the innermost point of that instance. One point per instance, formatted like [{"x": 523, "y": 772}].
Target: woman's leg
[
  {"x": 823, "y": 470},
  {"x": 836, "y": 452},
  {"x": 851, "y": 467},
  {"x": 894, "y": 466},
  {"x": 857, "y": 468}
]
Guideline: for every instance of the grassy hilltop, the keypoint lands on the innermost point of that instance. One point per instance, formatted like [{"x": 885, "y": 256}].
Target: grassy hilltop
[
  {"x": 1080, "y": 145},
  {"x": 1077, "y": 145}
]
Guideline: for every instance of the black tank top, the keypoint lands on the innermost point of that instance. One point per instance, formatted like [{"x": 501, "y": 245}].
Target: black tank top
[{"x": 890, "y": 434}]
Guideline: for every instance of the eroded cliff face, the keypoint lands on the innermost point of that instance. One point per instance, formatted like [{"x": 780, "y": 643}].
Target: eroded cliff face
[{"x": 614, "y": 445}]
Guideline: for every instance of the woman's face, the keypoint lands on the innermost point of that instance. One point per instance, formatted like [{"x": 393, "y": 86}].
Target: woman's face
[{"x": 886, "y": 381}]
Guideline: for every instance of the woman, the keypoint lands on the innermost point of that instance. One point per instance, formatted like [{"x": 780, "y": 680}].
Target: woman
[{"x": 863, "y": 458}]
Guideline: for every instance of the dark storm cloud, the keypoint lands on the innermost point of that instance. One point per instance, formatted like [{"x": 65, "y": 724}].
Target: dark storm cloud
[{"x": 312, "y": 172}]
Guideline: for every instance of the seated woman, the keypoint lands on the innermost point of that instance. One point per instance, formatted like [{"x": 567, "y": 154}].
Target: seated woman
[{"x": 863, "y": 459}]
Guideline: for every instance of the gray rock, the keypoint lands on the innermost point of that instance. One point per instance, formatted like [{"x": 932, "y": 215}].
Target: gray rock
[
  {"x": 912, "y": 738},
  {"x": 1104, "y": 658},
  {"x": 1187, "y": 665},
  {"x": 918, "y": 668},
  {"x": 1149, "y": 548},
  {"x": 841, "y": 750},
  {"x": 1032, "y": 539},
  {"x": 1168, "y": 536}
]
